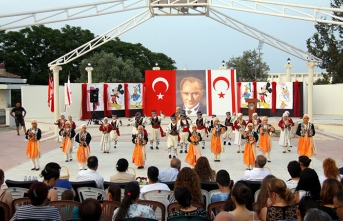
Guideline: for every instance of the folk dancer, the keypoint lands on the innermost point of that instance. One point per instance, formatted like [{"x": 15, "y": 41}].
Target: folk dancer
[
  {"x": 255, "y": 120},
  {"x": 106, "y": 129},
  {"x": 73, "y": 126},
  {"x": 305, "y": 131},
  {"x": 201, "y": 128},
  {"x": 115, "y": 130},
  {"x": 239, "y": 126},
  {"x": 285, "y": 134},
  {"x": 292, "y": 125},
  {"x": 173, "y": 130},
  {"x": 251, "y": 138},
  {"x": 185, "y": 124},
  {"x": 67, "y": 133},
  {"x": 139, "y": 154},
  {"x": 177, "y": 113},
  {"x": 156, "y": 129},
  {"x": 83, "y": 151},
  {"x": 265, "y": 141},
  {"x": 194, "y": 152},
  {"x": 33, "y": 135},
  {"x": 229, "y": 127},
  {"x": 138, "y": 120},
  {"x": 60, "y": 124},
  {"x": 216, "y": 140}
]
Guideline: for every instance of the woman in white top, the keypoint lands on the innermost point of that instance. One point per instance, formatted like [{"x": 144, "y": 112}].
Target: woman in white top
[{"x": 330, "y": 171}]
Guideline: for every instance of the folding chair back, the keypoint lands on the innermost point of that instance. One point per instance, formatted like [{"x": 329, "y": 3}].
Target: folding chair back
[
  {"x": 108, "y": 208},
  {"x": 65, "y": 207},
  {"x": 4, "y": 211},
  {"x": 60, "y": 190},
  {"x": 159, "y": 208},
  {"x": 17, "y": 192},
  {"x": 20, "y": 202},
  {"x": 91, "y": 192}
]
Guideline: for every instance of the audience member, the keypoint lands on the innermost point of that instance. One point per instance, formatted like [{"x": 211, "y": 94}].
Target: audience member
[
  {"x": 90, "y": 210},
  {"x": 204, "y": 170},
  {"x": 330, "y": 171},
  {"x": 51, "y": 177},
  {"x": 62, "y": 183},
  {"x": 69, "y": 195},
  {"x": 223, "y": 181},
  {"x": 90, "y": 173},
  {"x": 305, "y": 204},
  {"x": 316, "y": 215},
  {"x": 262, "y": 197},
  {"x": 240, "y": 196},
  {"x": 122, "y": 176},
  {"x": 184, "y": 199},
  {"x": 171, "y": 174},
  {"x": 38, "y": 210},
  {"x": 304, "y": 162},
  {"x": 294, "y": 170},
  {"x": 338, "y": 204},
  {"x": 308, "y": 185},
  {"x": 5, "y": 196},
  {"x": 129, "y": 207},
  {"x": 188, "y": 178},
  {"x": 114, "y": 193},
  {"x": 153, "y": 182},
  {"x": 329, "y": 188},
  {"x": 258, "y": 172},
  {"x": 282, "y": 202},
  {"x": 224, "y": 216}
]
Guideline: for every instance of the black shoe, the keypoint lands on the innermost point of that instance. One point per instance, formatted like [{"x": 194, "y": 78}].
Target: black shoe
[
  {"x": 218, "y": 160},
  {"x": 67, "y": 160},
  {"x": 181, "y": 151},
  {"x": 33, "y": 168},
  {"x": 157, "y": 148},
  {"x": 283, "y": 151},
  {"x": 169, "y": 156},
  {"x": 60, "y": 146},
  {"x": 37, "y": 169},
  {"x": 84, "y": 169},
  {"x": 203, "y": 147},
  {"x": 243, "y": 151},
  {"x": 229, "y": 143},
  {"x": 290, "y": 146},
  {"x": 70, "y": 159},
  {"x": 151, "y": 147},
  {"x": 289, "y": 150},
  {"x": 104, "y": 151},
  {"x": 114, "y": 146},
  {"x": 174, "y": 156},
  {"x": 269, "y": 161},
  {"x": 224, "y": 142},
  {"x": 238, "y": 151},
  {"x": 18, "y": 134},
  {"x": 186, "y": 151}
]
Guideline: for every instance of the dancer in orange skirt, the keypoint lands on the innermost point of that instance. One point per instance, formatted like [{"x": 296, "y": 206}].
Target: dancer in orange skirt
[
  {"x": 251, "y": 137},
  {"x": 264, "y": 129},
  {"x": 217, "y": 141},
  {"x": 194, "y": 153},
  {"x": 33, "y": 136},
  {"x": 83, "y": 151},
  {"x": 67, "y": 133},
  {"x": 139, "y": 154},
  {"x": 306, "y": 131}
]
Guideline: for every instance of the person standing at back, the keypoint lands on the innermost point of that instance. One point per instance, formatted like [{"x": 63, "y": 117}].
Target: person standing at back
[{"x": 19, "y": 117}]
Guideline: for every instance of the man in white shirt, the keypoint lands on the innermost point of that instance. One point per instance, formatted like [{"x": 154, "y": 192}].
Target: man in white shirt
[
  {"x": 153, "y": 182},
  {"x": 171, "y": 174},
  {"x": 91, "y": 174},
  {"x": 258, "y": 173}
]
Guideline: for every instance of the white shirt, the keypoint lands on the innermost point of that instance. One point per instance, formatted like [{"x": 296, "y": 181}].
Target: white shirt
[
  {"x": 168, "y": 175},
  {"x": 323, "y": 178},
  {"x": 256, "y": 174},
  {"x": 89, "y": 174},
  {"x": 154, "y": 186}
]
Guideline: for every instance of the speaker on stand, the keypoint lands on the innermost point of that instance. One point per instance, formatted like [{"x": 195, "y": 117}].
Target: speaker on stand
[{"x": 94, "y": 98}]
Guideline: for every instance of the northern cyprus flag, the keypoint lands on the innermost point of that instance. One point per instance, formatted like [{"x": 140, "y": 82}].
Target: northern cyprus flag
[{"x": 67, "y": 93}]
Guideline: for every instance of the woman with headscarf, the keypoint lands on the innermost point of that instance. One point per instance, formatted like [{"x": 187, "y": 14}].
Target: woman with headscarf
[
  {"x": 306, "y": 131},
  {"x": 194, "y": 152},
  {"x": 239, "y": 126},
  {"x": 67, "y": 133},
  {"x": 286, "y": 125},
  {"x": 217, "y": 141},
  {"x": 265, "y": 141},
  {"x": 33, "y": 135},
  {"x": 105, "y": 128},
  {"x": 251, "y": 138},
  {"x": 83, "y": 151}
]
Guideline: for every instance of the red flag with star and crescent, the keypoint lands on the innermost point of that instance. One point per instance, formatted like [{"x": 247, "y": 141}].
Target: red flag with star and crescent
[
  {"x": 160, "y": 91},
  {"x": 221, "y": 91}
]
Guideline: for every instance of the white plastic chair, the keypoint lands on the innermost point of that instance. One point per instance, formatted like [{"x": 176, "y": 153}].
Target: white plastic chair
[
  {"x": 211, "y": 193},
  {"x": 60, "y": 190},
  {"x": 159, "y": 196},
  {"x": 91, "y": 192},
  {"x": 256, "y": 194},
  {"x": 206, "y": 194},
  {"x": 17, "y": 192}
]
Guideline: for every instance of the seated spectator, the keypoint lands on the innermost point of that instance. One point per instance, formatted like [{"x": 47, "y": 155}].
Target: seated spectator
[
  {"x": 305, "y": 204},
  {"x": 188, "y": 178},
  {"x": 204, "y": 170},
  {"x": 122, "y": 176},
  {"x": 171, "y": 174},
  {"x": 153, "y": 182},
  {"x": 258, "y": 172},
  {"x": 69, "y": 195},
  {"x": 281, "y": 202},
  {"x": 294, "y": 170},
  {"x": 129, "y": 207},
  {"x": 51, "y": 177},
  {"x": 262, "y": 197},
  {"x": 224, "y": 216},
  {"x": 184, "y": 199},
  {"x": 61, "y": 183},
  {"x": 317, "y": 215},
  {"x": 223, "y": 181},
  {"x": 308, "y": 185},
  {"x": 329, "y": 188},
  {"x": 304, "y": 162},
  {"x": 240, "y": 196},
  {"x": 90, "y": 210},
  {"x": 114, "y": 193},
  {"x": 90, "y": 173},
  {"x": 338, "y": 204},
  {"x": 5, "y": 196},
  {"x": 330, "y": 170},
  {"x": 38, "y": 194}
]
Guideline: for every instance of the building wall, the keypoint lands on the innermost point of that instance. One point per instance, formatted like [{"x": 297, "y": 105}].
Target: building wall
[
  {"x": 327, "y": 99},
  {"x": 301, "y": 77},
  {"x": 3, "y": 99}
]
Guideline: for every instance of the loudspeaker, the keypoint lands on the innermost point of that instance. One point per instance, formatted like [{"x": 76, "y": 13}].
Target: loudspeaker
[{"x": 94, "y": 95}]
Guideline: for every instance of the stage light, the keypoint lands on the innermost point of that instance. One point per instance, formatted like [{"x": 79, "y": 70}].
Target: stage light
[
  {"x": 89, "y": 64},
  {"x": 288, "y": 61},
  {"x": 223, "y": 63}
]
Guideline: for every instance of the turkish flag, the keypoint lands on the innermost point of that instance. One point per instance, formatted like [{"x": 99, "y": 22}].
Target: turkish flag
[
  {"x": 221, "y": 88},
  {"x": 160, "y": 92}
]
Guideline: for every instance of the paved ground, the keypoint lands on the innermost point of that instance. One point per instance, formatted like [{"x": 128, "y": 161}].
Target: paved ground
[{"x": 15, "y": 164}]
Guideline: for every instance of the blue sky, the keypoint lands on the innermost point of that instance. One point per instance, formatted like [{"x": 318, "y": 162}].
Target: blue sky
[{"x": 198, "y": 43}]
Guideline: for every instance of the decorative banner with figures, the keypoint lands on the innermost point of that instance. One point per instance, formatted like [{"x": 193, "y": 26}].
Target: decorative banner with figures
[
  {"x": 135, "y": 92},
  {"x": 116, "y": 95},
  {"x": 284, "y": 95},
  {"x": 264, "y": 95},
  {"x": 247, "y": 92}
]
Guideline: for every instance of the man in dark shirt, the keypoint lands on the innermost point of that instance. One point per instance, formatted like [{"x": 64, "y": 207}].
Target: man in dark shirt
[{"x": 19, "y": 117}]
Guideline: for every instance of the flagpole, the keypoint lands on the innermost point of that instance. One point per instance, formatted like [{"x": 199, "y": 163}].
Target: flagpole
[{"x": 56, "y": 70}]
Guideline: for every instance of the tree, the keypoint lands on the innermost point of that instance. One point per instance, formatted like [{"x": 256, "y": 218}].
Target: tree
[
  {"x": 327, "y": 44},
  {"x": 248, "y": 65},
  {"x": 108, "y": 68},
  {"x": 325, "y": 80}
]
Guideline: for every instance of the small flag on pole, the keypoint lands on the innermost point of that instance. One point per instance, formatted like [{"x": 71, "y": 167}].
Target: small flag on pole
[
  {"x": 51, "y": 93},
  {"x": 67, "y": 95}
]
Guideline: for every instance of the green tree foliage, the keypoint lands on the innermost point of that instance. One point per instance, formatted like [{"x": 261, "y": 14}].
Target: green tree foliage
[
  {"x": 325, "y": 80},
  {"x": 247, "y": 65},
  {"x": 108, "y": 68},
  {"x": 327, "y": 44}
]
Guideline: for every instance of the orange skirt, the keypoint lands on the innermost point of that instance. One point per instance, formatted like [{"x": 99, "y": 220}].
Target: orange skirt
[
  {"x": 249, "y": 154},
  {"x": 264, "y": 145},
  {"x": 67, "y": 144},
  {"x": 33, "y": 149},
  {"x": 82, "y": 154},
  {"x": 306, "y": 146},
  {"x": 193, "y": 154},
  {"x": 216, "y": 145},
  {"x": 138, "y": 156}
]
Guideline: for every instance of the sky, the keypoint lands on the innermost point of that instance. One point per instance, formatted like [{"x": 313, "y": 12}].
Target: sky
[{"x": 194, "y": 42}]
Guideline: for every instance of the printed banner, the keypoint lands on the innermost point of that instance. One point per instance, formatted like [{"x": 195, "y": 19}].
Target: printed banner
[
  {"x": 116, "y": 95},
  {"x": 284, "y": 92},
  {"x": 264, "y": 95},
  {"x": 247, "y": 91},
  {"x": 135, "y": 92}
]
